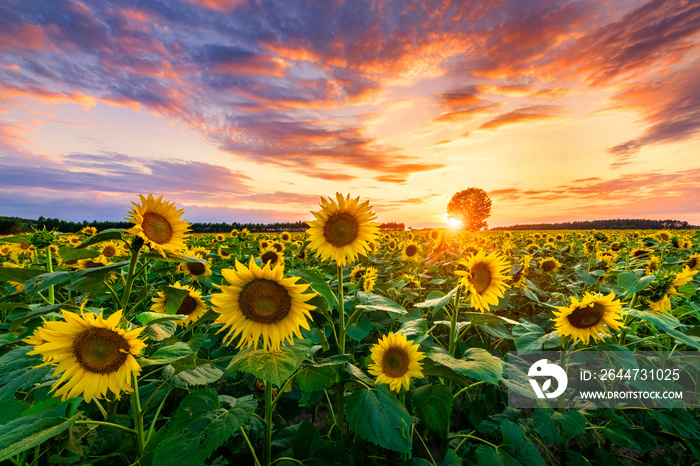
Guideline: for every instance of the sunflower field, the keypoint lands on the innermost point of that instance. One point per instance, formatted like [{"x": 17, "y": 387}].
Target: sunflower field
[{"x": 340, "y": 345}]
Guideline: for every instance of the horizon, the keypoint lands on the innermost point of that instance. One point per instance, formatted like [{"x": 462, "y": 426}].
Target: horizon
[{"x": 562, "y": 111}]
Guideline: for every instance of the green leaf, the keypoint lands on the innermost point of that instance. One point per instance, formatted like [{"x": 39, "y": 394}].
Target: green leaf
[
  {"x": 313, "y": 378},
  {"x": 104, "y": 235},
  {"x": 200, "y": 375},
  {"x": 451, "y": 458},
  {"x": 29, "y": 431},
  {"x": 439, "y": 302},
  {"x": 357, "y": 373},
  {"x": 433, "y": 404},
  {"x": 69, "y": 253},
  {"x": 45, "y": 280},
  {"x": 518, "y": 445},
  {"x": 201, "y": 425},
  {"x": 19, "y": 275},
  {"x": 414, "y": 327},
  {"x": 317, "y": 283},
  {"x": 555, "y": 427},
  {"x": 683, "y": 339},
  {"x": 158, "y": 331},
  {"x": 529, "y": 337},
  {"x": 677, "y": 421},
  {"x": 486, "y": 318},
  {"x": 629, "y": 283},
  {"x": 271, "y": 366},
  {"x": 173, "y": 298},
  {"x": 476, "y": 363},
  {"x": 18, "y": 370},
  {"x": 377, "y": 416},
  {"x": 688, "y": 290},
  {"x": 359, "y": 330},
  {"x": 431, "y": 368},
  {"x": 661, "y": 320},
  {"x": 152, "y": 318},
  {"x": 375, "y": 302},
  {"x": 489, "y": 456},
  {"x": 167, "y": 354},
  {"x": 24, "y": 239}
]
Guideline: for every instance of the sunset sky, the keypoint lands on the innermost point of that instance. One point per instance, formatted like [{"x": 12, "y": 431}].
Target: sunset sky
[{"x": 250, "y": 110}]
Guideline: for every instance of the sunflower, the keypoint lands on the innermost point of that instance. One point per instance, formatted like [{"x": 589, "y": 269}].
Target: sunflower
[
  {"x": 22, "y": 249},
  {"x": 234, "y": 233},
  {"x": 357, "y": 273},
  {"x": 368, "y": 282},
  {"x": 484, "y": 278},
  {"x": 549, "y": 264},
  {"x": 343, "y": 229},
  {"x": 260, "y": 302},
  {"x": 89, "y": 231},
  {"x": 192, "y": 305},
  {"x": 410, "y": 251},
  {"x": 639, "y": 253},
  {"x": 521, "y": 275},
  {"x": 109, "y": 249},
  {"x": 589, "y": 317},
  {"x": 279, "y": 247},
  {"x": 91, "y": 352},
  {"x": 412, "y": 281},
  {"x": 158, "y": 223},
  {"x": 200, "y": 251},
  {"x": 195, "y": 270},
  {"x": 391, "y": 244},
  {"x": 95, "y": 263},
  {"x": 681, "y": 279},
  {"x": 653, "y": 265},
  {"x": 243, "y": 234},
  {"x": 271, "y": 256},
  {"x": 5, "y": 249},
  {"x": 693, "y": 262},
  {"x": 436, "y": 235},
  {"x": 395, "y": 359},
  {"x": 285, "y": 237}
]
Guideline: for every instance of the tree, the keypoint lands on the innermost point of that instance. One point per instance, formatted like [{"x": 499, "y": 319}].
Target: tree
[{"x": 472, "y": 207}]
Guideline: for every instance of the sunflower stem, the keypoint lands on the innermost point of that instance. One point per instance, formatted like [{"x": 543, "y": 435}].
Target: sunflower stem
[
  {"x": 267, "y": 458},
  {"x": 129, "y": 278},
  {"x": 250, "y": 447},
  {"x": 341, "y": 312},
  {"x": 453, "y": 322},
  {"x": 102, "y": 410},
  {"x": 138, "y": 420},
  {"x": 155, "y": 417},
  {"x": 108, "y": 424},
  {"x": 49, "y": 269}
]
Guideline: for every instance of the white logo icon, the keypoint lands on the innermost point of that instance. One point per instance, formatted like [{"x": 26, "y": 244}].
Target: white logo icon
[{"x": 542, "y": 368}]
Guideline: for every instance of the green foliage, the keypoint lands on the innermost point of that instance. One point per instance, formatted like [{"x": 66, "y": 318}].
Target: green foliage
[
  {"x": 200, "y": 425},
  {"x": 377, "y": 416}
]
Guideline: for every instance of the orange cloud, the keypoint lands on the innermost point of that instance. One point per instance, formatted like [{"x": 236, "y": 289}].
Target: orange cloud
[{"x": 535, "y": 112}]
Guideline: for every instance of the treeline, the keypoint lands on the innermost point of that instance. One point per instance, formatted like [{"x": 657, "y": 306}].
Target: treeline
[
  {"x": 392, "y": 226},
  {"x": 17, "y": 225},
  {"x": 611, "y": 224}
]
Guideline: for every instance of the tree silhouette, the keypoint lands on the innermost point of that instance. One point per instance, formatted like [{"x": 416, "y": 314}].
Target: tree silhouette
[{"x": 472, "y": 207}]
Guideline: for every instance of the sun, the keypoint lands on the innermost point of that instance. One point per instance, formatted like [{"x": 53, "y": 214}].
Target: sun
[{"x": 453, "y": 223}]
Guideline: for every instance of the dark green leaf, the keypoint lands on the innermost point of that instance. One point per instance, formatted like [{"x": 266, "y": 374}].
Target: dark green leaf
[
  {"x": 29, "y": 431},
  {"x": 438, "y": 303},
  {"x": 173, "y": 298},
  {"x": 19, "y": 275},
  {"x": 271, "y": 366},
  {"x": 518, "y": 445},
  {"x": 359, "y": 330},
  {"x": 433, "y": 404},
  {"x": 200, "y": 426},
  {"x": 476, "y": 363},
  {"x": 377, "y": 416},
  {"x": 317, "y": 283},
  {"x": 104, "y": 235},
  {"x": 167, "y": 354},
  {"x": 375, "y": 302},
  {"x": 489, "y": 456},
  {"x": 200, "y": 375}
]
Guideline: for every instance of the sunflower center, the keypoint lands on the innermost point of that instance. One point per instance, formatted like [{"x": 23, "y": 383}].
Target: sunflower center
[
  {"x": 585, "y": 317},
  {"x": 411, "y": 250},
  {"x": 692, "y": 263},
  {"x": 548, "y": 266},
  {"x": 481, "y": 277},
  {"x": 92, "y": 265},
  {"x": 265, "y": 301},
  {"x": 109, "y": 251},
  {"x": 156, "y": 228},
  {"x": 270, "y": 257},
  {"x": 640, "y": 253},
  {"x": 100, "y": 350},
  {"x": 341, "y": 229},
  {"x": 195, "y": 268},
  {"x": 189, "y": 304},
  {"x": 395, "y": 362}
]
